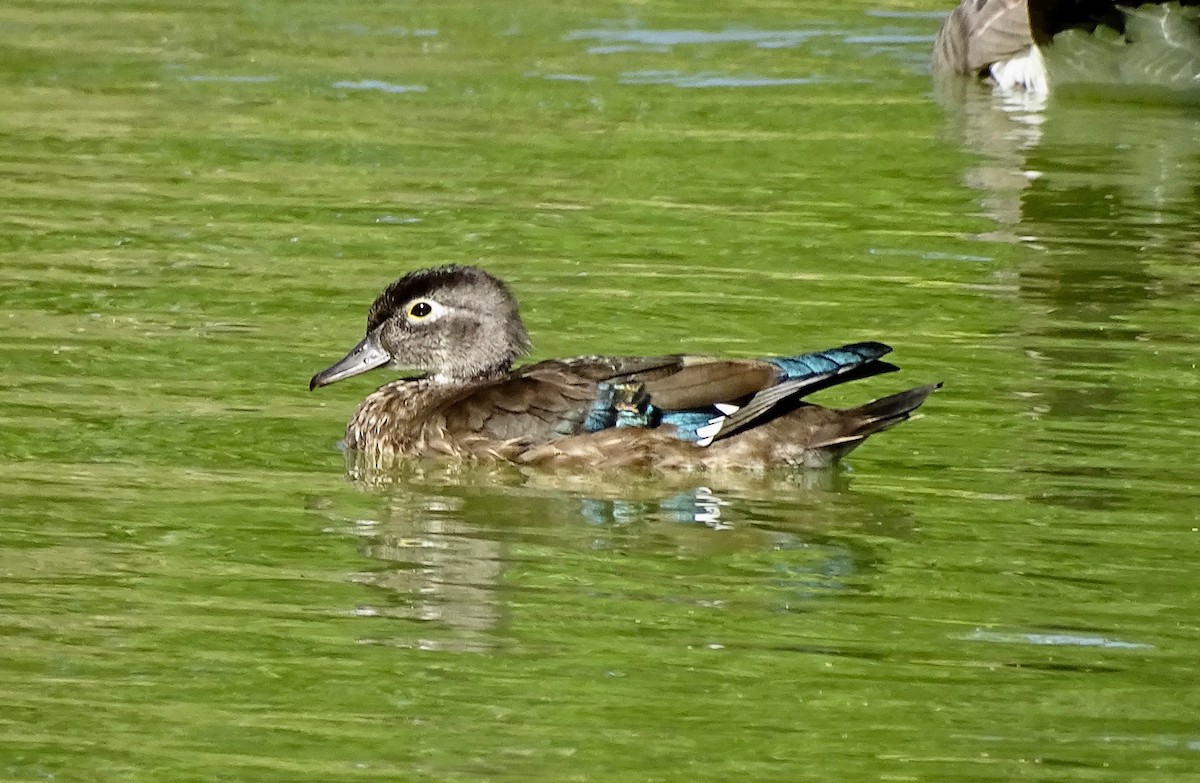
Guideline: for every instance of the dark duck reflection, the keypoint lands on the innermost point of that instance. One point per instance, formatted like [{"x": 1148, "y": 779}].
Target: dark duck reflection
[
  {"x": 1030, "y": 45},
  {"x": 459, "y": 327}
]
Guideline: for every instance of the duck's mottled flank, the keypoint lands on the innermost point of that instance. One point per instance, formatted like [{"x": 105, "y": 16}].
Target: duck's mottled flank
[{"x": 666, "y": 412}]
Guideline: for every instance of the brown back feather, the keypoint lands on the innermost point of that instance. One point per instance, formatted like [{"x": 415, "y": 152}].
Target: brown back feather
[{"x": 978, "y": 33}]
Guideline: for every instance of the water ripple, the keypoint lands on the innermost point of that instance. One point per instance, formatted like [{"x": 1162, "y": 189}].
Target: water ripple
[
  {"x": 228, "y": 79},
  {"x": 1055, "y": 639},
  {"x": 678, "y": 79},
  {"x": 381, "y": 86},
  {"x": 667, "y": 38}
]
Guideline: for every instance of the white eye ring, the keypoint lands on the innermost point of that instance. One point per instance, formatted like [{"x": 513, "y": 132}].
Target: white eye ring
[{"x": 423, "y": 311}]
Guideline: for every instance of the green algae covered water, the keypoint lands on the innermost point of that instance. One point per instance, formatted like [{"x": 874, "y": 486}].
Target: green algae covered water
[{"x": 200, "y": 202}]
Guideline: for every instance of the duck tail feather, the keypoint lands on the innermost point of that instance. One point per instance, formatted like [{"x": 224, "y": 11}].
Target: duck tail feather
[{"x": 889, "y": 411}]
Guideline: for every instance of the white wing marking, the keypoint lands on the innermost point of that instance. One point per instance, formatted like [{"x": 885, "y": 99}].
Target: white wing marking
[{"x": 710, "y": 431}]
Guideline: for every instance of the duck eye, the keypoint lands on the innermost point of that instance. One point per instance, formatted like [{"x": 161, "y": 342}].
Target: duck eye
[{"x": 424, "y": 309}]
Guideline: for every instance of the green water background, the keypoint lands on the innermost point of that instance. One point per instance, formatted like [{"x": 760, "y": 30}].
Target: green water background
[{"x": 199, "y": 202}]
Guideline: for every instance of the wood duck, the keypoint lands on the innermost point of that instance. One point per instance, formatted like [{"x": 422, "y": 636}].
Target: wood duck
[
  {"x": 459, "y": 326},
  {"x": 1148, "y": 42}
]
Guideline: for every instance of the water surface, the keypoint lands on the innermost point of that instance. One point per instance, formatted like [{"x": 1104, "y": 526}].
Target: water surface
[{"x": 200, "y": 203}]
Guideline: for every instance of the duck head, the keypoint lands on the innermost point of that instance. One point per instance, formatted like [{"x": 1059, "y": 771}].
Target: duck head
[{"x": 455, "y": 323}]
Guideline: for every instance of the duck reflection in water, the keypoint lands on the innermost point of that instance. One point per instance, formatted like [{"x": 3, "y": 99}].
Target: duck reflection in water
[
  {"x": 454, "y": 543},
  {"x": 460, "y": 328}
]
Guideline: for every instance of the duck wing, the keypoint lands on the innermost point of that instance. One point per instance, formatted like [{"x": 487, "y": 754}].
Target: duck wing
[
  {"x": 703, "y": 398},
  {"x": 796, "y": 377},
  {"x": 548, "y": 400},
  {"x": 978, "y": 33}
]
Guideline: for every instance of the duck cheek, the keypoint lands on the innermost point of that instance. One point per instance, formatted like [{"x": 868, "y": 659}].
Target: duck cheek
[
  {"x": 420, "y": 349},
  {"x": 405, "y": 344}
]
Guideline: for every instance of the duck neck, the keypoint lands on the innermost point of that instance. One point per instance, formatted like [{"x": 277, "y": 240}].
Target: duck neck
[{"x": 443, "y": 378}]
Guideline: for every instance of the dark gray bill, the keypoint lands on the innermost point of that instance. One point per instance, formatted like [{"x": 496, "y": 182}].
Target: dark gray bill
[{"x": 365, "y": 356}]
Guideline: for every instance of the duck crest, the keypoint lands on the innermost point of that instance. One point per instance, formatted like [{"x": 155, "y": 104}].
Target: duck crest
[
  {"x": 672, "y": 411},
  {"x": 422, "y": 283}
]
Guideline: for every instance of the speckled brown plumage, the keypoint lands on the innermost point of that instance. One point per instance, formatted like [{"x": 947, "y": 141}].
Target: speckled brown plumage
[{"x": 461, "y": 328}]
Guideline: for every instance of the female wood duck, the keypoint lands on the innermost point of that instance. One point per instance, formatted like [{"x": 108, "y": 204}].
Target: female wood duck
[{"x": 459, "y": 325}]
